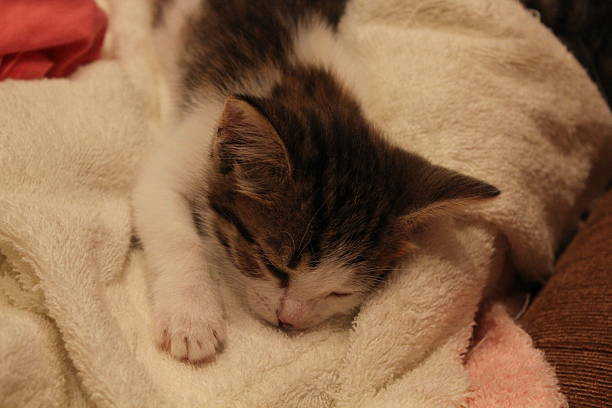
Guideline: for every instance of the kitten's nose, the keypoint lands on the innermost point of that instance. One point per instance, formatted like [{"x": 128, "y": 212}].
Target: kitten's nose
[
  {"x": 290, "y": 314},
  {"x": 284, "y": 325}
]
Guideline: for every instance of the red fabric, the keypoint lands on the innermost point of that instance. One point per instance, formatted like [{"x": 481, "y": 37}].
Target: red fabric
[{"x": 48, "y": 37}]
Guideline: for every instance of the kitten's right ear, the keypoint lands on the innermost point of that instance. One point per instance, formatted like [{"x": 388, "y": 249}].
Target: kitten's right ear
[
  {"x": 248, "y": 146},
  {"x": 438, "y": 190}
]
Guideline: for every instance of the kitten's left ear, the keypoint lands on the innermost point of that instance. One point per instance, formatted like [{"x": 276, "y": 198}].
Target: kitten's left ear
[
  {"x": 248, "y": 145},
  {"x": 438, "y": 191}
]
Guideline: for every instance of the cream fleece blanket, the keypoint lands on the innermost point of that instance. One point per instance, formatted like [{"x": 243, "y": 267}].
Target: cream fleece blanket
[{"x": 476, "y": 85}]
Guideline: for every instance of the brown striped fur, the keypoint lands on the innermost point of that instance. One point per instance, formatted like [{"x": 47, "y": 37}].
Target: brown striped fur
[
  {"x": 324, "y": 182},
  {"x": 274, "y": 160}
]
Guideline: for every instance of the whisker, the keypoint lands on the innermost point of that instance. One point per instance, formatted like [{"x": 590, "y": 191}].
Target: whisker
[
  {"x": 293, "y": 247},
  {"x": 383, "y": 269}
]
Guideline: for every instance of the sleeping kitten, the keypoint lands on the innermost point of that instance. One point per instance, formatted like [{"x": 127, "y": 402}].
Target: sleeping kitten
[{"x": 271, "y": 159}]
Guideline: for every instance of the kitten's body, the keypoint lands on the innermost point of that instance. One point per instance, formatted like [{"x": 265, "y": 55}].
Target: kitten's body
[{"x": 270, "y": 157}]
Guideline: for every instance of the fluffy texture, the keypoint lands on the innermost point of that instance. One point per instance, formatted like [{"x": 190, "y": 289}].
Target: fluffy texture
[
  {"x": 31, "y": 372},
  {"x": 479, "y": 86},
  {"x": 311, "y": 204},
  {"x": 507, "y": 371},
  {"x": 491, "y": 102}
]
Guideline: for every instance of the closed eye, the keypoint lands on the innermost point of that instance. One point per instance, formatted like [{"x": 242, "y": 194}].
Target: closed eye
[{"x": 339, "y": 294}]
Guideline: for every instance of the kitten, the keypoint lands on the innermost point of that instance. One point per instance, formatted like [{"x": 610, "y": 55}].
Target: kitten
[{"x": 272, "y": 161}]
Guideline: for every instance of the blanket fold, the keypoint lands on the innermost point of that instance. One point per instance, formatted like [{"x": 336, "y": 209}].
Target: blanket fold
[
  {"x": 476, "y": 85},
  {"x": 48, "y": 38}
]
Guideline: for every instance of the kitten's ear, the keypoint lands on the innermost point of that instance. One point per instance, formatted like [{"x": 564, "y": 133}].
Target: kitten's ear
[
  {"x": 247, "y": 145},
  {"x": 439, "y": 191}
]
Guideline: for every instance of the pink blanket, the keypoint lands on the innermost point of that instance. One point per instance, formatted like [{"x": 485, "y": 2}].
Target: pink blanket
[
  {"x": 507, "y": 371},
  {"x": 49, "y": 38}
]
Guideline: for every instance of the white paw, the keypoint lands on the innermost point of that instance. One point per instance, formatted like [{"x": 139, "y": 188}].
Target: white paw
[{"x": 193, "y": 332}]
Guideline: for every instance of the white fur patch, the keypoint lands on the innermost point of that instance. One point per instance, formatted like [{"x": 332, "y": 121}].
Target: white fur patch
[
  {"x": 182, "y": 288},
  {"x": 176, "y": 172},
  {"x": 316, "y": 44},
  {"x": 168, "y": 36}
]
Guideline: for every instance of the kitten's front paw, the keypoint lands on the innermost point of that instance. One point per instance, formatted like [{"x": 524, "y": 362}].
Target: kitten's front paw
[{"x": 190, "y": 332}]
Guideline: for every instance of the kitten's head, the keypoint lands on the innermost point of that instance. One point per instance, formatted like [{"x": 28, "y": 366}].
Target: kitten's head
[{"x": 313, "y": 206}]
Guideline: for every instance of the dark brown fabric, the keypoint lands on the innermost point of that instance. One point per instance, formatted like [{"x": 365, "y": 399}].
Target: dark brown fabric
[{"x": 571, "y": 319}]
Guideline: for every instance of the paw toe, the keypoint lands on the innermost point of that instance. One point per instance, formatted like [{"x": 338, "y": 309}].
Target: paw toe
[{"x": 190, "y": 339}]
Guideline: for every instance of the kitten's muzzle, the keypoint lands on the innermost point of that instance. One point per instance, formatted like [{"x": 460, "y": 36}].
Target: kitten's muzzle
[{"x": 285, "y": 326}]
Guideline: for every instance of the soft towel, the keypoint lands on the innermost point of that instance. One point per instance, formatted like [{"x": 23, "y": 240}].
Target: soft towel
[
  {"x": 483, "y": 87},
  {"x": 48, "y": 38},
  {"x": 506, "y": 370},
  {"x": 479, "y": 86}
]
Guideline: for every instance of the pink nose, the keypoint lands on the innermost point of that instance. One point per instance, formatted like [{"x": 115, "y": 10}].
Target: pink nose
[
  {"x": 284, "y": 319},
  {"x": 284, "y": 325},
  {"x": 290, "y": 314}
]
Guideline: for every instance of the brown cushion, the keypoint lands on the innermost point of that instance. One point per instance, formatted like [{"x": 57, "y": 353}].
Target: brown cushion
[{"x": 571, "y": 319}]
